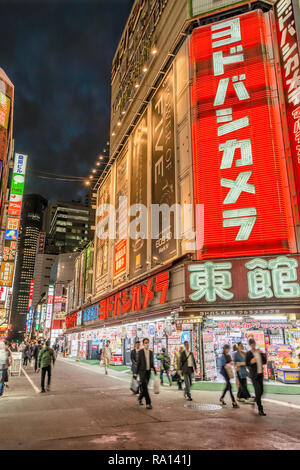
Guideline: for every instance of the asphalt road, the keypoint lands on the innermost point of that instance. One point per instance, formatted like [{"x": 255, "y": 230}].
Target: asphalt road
[{"x": 88, "y": 410}]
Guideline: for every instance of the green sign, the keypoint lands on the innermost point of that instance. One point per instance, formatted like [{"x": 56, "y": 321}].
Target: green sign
[{"x": 17, "y": 185}]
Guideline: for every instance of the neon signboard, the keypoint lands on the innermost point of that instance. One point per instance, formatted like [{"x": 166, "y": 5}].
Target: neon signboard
[{"x": 239, "y": 172}]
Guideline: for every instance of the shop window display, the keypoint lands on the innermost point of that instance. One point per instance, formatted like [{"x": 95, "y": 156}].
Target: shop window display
[{"x": 280, "y": 341}]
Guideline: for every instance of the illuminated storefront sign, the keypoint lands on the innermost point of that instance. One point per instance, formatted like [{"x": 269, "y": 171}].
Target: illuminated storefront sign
[
  {"x": 239, "y": 175},
  {"x": 130, "y": 300},
  {"x": 241, "y": 281},
  {"x": 290, "y": 61},
  {"x": 29, "y": 321}
]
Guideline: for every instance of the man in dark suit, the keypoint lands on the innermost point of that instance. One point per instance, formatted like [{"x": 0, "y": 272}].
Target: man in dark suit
[
  {"x": 255, "y": 359},
  {"x": 187, "y": 366},
  {"x": 144, "y": 365},
  {"x": 134, "y": 356}
]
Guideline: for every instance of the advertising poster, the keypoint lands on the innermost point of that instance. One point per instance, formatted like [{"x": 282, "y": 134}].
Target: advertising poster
[
  {"x": 15, "y": 205},
  {"x": 17, "y": 186},
  {"x": 239, "y": 162},
  {"x": 102, "y": 245},
  {"x": 120, "y": 257},
  {"x": 6, "y": 274},
  {"x": 163, "y": 167},
  {"x": 9, "y": 253},
  {"x": 138, "y": 194}
]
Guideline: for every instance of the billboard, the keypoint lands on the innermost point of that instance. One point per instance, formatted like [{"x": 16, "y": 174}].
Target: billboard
[
  {"x": 102, "y": 245},
  {"x": 239, "y": 162},
  {"x": 6, "y": 274},
  {"x": 163, "y": 166},
  {"x": 4, "y": 110},
  {"x": 120, "y": 257},
  {"x": 9, "y": 253},
  {"x": 15, "y": 205},
  {"x": 202, "y": 7},
  {"x": 17, "y": 186},
  {"x": 286, "y": 14},
  {"x": 138, "y": 193}
]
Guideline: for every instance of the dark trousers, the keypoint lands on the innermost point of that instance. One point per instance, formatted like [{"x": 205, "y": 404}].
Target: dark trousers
[
  {"x": 144, "y": 387},
  {"x": 228, "y": 387},
  {"x": 258, "y": 384},
  {"x": 43, "y": 376},
  {"x": 187, "y": 375},
  {"x": 243, "y": 390},
  {"x": 35, "y": 364},
  {"x": 25, "y": 361}
]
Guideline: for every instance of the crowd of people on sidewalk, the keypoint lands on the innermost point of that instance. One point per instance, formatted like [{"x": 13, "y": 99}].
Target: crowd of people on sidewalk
[
  {"x": 245, "y": 364},
  {"x": 35, "y": 353}
]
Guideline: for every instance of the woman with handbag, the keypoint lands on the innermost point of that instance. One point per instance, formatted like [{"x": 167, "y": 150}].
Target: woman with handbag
[{"x": 227, "y": 373}]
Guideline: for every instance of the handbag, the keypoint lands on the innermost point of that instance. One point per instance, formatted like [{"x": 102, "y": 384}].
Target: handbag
[
  {"x": 175, "y": 376},
  {"x": 156, "y": 384},
  {"x": 134, "y": 387},
  {"x": 229, "y": 371}
]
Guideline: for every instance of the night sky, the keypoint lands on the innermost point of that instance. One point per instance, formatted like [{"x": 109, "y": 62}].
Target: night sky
[{"x": 58, "y": 54}]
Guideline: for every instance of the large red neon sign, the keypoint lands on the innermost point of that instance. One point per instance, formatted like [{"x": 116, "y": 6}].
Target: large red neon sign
[{"x": 239, "y": 168}]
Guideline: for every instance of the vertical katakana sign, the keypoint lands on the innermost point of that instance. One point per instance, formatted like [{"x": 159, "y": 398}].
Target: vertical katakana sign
[
  {"x": 288, "y": 42},
  {"x": 237, "y": 143}
]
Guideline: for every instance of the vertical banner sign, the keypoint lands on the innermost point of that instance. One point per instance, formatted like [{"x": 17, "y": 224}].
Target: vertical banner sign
[
  {"x": 13, "y": 221},
  {"x": 163, "y": 167},
  {"x": 121, "y": 215},
  {"x": 30, "y": 294},
  {"x": 138, "y": 195},
  {"x": 102, "y": 221},
  {"x": 288, "y": 42},
  {"x": 49, "y": 305},
  {"x": 239, "y": 165}
]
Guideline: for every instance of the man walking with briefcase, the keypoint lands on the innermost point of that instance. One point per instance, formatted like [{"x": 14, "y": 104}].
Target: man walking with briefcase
[{"x": 188, "y": 367}]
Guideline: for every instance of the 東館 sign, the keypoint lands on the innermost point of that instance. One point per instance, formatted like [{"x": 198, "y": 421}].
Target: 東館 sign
[
  {"x": 240, "y": 175},
  {"x": 253, "y": 280},
  {"x": 127, "y": 301}
]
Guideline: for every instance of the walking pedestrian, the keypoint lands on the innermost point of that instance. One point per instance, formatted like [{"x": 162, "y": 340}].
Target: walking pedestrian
[
  {"x": 144, "y": 365},
  {"x": 227, "y": 373},
  {"x": 3, "y": 362},
  {"x": 107, "y": 354},
  {"x": 255, "y": 359},
  {"x": 7, "y": 364},
  {"x": 46, "y": 355},
  {"x": 187, "y": 367},
  {"x": 176, "y": 365},
  {"x": 36, "y": 350},
  {"x": 243, "y": 394},
  {"x": 134, "y": 356},
  {"x": 165, "y": 363}
]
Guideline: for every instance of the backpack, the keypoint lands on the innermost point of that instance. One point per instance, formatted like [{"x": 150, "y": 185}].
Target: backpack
[{"x": 166, "y": 362}]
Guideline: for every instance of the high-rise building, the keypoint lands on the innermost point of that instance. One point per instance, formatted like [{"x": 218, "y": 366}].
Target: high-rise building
[
  {"x": 67, "y": 225},
  {"x": 30, "y": 227}
]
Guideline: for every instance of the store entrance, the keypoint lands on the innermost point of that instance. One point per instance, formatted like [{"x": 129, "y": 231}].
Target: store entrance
[{"x": 278, "y": 338}]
